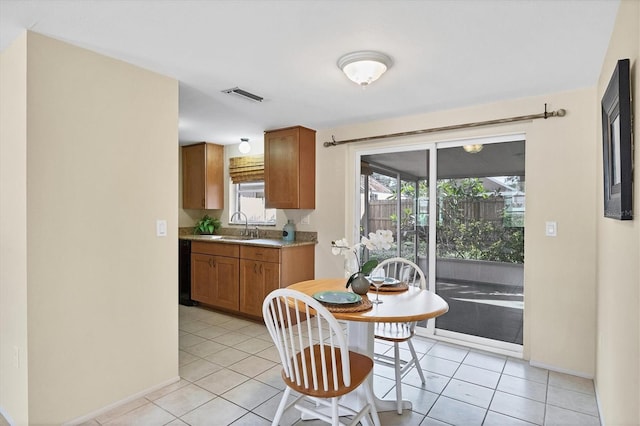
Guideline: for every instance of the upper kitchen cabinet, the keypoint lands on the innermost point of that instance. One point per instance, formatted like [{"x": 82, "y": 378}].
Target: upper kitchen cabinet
[
  {"x": 290, "y": 168},
  {"x": 202, "y": 176}
]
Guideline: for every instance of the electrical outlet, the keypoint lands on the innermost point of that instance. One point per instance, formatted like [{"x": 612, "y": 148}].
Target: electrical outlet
[{"x": 305, "y": 220}]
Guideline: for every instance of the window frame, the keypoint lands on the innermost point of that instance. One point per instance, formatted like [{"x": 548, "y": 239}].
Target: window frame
[{"x": 235, "y": 193}]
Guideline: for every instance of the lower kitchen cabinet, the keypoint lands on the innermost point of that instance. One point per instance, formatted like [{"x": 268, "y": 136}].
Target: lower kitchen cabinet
[
  {"x": 202, "y": 277},
  {"x": 214, "y": 275},
  {"x": 237, "y": 277},
  {"x": 257, "y": 279}
]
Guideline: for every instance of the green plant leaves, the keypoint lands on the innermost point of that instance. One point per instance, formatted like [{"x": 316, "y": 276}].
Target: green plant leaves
[
  {"x": 207, "y": 225},
  {"x": 368, "y": 266}
]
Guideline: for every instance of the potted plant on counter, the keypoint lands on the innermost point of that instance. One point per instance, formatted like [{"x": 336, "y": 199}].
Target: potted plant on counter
[{"x": 207, "y": 225}]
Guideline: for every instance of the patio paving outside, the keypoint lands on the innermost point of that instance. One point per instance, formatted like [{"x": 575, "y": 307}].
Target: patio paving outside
[{"x": 492, "y": 311}]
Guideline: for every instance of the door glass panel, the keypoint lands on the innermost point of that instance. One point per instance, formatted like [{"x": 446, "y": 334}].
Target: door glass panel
[
  {"x": 480, "y": 240},
  {"x": 395, "y": 188},
  {"x": 380, "y": 191}
]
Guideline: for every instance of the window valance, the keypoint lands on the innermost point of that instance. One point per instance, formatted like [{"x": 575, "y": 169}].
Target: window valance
[{"x": 249, "y": 168}]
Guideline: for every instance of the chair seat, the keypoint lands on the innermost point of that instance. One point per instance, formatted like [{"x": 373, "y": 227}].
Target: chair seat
[
  {"x": 393, "y": 332},
  {"x": 361, "y": 366}
]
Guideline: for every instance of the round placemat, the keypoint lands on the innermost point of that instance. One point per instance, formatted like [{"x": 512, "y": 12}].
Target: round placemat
[
  {"x": 391, "y": 288},
  {"x": 364, "y": 305}
]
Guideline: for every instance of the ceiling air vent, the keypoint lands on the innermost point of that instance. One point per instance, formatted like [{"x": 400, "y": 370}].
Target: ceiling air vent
[{"x": 243, "y": 94}]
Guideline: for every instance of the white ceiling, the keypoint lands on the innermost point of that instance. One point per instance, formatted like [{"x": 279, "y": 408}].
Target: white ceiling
[{"x": 446, "y": 54}]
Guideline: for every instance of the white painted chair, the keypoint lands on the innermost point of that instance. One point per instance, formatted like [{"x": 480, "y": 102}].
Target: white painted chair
[
  {"x": 410, "y": 273},
  {"x": 311, "y": 344}
]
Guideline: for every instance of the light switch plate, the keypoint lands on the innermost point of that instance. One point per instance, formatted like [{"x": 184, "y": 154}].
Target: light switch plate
[
  {"x": 305, "y": 219},
  {"x": 161, "y": 228},
  {"x": 551, "y": 229}
]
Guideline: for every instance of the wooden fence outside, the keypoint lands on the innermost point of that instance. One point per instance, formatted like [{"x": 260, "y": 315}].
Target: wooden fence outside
[{"x": 381, "y": 211}]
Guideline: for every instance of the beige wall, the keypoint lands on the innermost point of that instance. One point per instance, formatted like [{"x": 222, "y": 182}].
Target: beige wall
[
  {"x": 559, "y": 272},
  {"x": 101, "y": 291},
  {"x": 13, "y": 231},
  {"x": 618, "y": 252}
]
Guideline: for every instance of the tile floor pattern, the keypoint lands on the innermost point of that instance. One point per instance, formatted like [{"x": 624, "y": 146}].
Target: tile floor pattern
[{"x": 230, "y": 375}]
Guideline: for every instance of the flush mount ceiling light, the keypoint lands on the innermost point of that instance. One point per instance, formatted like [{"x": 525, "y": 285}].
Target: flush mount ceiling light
[
  {"x": 473, "y": 149},
  {"x": 244, "y": 146},
  {"x": 364, "y": 67}
]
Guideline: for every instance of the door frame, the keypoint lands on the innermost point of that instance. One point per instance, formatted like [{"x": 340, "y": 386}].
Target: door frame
[{"x": 410, "y": 144}]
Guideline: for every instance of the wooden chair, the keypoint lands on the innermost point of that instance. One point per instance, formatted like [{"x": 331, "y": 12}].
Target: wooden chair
[
  {"x": 311, "y": 344},
  {"x": 410, "y": 273}
]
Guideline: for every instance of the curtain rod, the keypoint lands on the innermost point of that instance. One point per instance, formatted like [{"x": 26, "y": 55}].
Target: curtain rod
[{"x": 545, "y": 115}]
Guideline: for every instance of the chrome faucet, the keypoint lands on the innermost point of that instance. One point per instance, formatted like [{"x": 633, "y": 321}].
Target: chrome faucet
[
  {"x": 246, "y": 222},
  {"x": 255, "y": 232}
]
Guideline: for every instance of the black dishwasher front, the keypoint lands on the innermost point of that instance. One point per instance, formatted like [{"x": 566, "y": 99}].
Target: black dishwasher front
[{"x": 184, "y": 273}]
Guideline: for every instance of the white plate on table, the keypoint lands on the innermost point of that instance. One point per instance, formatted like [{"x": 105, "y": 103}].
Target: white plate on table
[
  {"x": 337, "y": 297},
  {"x": 387, "y": 281}
]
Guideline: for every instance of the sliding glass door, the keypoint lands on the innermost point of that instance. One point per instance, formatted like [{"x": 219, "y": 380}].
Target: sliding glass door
[
  {"x": 476, "y": 259},
  {"x": 480, "y": 241}
]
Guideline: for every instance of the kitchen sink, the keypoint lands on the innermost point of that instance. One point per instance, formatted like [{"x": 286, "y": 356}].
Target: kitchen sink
[
  {"x": 236, "y": 237},
  {"x": 226, "y": 237}
]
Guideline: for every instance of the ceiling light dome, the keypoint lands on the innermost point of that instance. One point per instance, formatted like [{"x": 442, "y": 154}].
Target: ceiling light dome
[
  {"x": 364, "y": 67},
  {"x": 473, "y": 149},
  {"x": 244, "y": 146}
]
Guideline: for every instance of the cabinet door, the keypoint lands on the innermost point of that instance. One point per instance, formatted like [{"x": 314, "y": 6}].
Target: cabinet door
[
  {"x": 202, "y": 278},
  {"x": 257, "y": 279},
  {"x": 193, "y": 176},
  {"x": 271, "y": 275},
  {"x": 225, "y": 282},
  {"x": 281, "y": 173},
  {"x": 202, "y": 176},
  {"x": 290, "y": 168}
]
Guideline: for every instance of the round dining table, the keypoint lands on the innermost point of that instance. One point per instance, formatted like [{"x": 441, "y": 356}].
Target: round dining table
[{"x": 414, "y": 304}]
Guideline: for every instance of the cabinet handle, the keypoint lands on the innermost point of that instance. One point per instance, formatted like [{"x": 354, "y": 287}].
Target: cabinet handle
[
  {"x": 210, "y": 263},
  {"x": 260, "y": 269},
  {"x": 255, "y": 271}
]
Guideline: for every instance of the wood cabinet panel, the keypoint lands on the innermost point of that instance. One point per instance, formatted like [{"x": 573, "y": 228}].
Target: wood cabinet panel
[
  {"x": 214, "y": 279},
  {"x": 290, "y": 168},
  {"x": 228, "y": 250},
  {"x": 298, "y": 264},
  {"x": 260, "y": 253},
  {"x": 257, "y": 279},
  {"x": 238, "y": 277},
  {"x": 202, "y": 176},
  {"x": 201, "y": 278},
  {"x": 226, "y": 283}
]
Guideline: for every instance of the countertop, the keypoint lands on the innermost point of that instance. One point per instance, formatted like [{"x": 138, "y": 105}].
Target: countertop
[{"x": 233, "y": 239}]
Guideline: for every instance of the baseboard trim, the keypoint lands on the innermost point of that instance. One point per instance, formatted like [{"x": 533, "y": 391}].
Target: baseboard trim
[
  {"x": 549, "y": 367},
  {"x": 602, "y": 422},
  {"x": 116, "y": 404}
]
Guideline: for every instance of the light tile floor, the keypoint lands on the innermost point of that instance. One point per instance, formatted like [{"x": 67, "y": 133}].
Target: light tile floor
[{"x": 230, "y": 375}]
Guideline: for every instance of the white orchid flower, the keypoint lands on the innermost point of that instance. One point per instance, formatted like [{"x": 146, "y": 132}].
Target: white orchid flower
[
  {"x": 381, "y": 239},
  {"x": 370, "y": 244},
  {"x": 339, "y": 246},
  {"x": 384, "y": 238}
]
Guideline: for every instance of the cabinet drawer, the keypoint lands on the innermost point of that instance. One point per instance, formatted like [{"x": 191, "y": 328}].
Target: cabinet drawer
[
  {"x": 222, "y": 249},
  {"x": 260, "y": 253}
]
